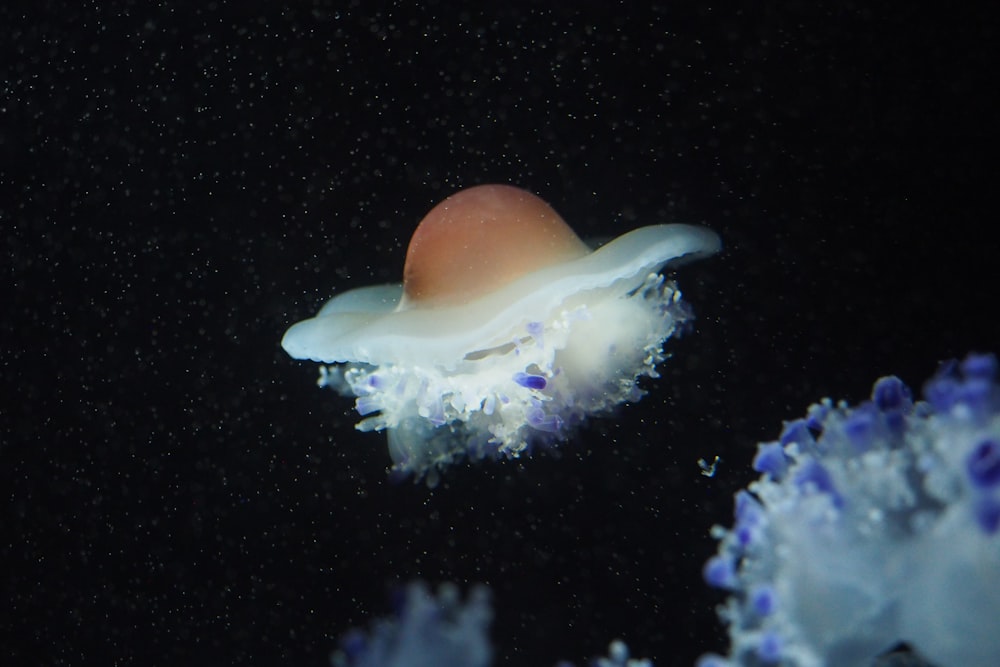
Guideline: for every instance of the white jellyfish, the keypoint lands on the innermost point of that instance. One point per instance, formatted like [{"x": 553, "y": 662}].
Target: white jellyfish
[{"x": 506, "y": 332}]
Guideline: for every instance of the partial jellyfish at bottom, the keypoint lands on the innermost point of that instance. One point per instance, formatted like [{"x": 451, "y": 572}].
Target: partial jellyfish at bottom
[
  {"x": 442, "y": 630},
  {"x": 871, "y": 526},
  {"x": 506, "y": 333}
]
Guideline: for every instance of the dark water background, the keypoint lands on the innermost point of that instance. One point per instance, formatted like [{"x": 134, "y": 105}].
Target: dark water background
[{"x": 181, "y": 181}]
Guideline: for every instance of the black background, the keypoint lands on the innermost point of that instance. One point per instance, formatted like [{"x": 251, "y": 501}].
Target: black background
[{"x": 179, "y": 182}]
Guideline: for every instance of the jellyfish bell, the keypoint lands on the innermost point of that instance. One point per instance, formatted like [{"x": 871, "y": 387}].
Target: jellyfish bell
[
  {"x": 480, "y": 239},
  {"x": 450, "y": 322},
  {"x": 507, "y": 332}
]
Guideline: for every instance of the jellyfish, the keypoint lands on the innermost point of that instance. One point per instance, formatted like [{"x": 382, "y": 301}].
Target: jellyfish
[
  {"x": 870, "y": 526},
  {"x": 506, "y": 333},
  {"x": 428, "y": 630},
  {"x": 441, "y": 630}
]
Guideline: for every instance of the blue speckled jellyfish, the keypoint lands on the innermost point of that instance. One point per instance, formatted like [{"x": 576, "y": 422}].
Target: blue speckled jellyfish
[
  {"x": 870, "y": 526},
  {"x": 506, "y": 332},
  {"x": 441, "y": 631},
  {"x": 427, "y": 631}
]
